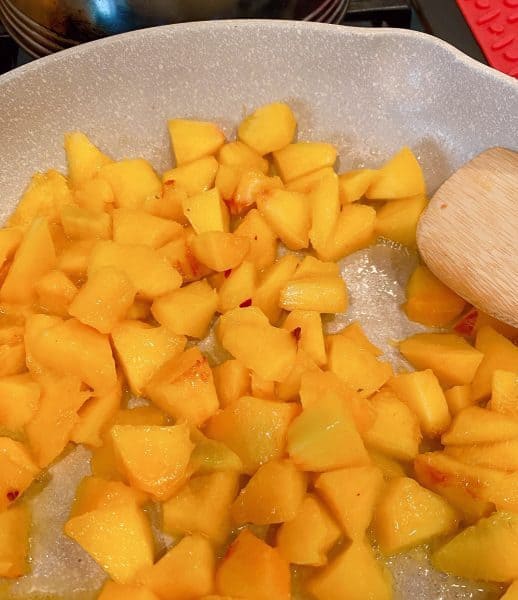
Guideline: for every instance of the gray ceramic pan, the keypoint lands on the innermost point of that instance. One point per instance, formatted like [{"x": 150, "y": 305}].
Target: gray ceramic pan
[{"x": 368, "y": 91}]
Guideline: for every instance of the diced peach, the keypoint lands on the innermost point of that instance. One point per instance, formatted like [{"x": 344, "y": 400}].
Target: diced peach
[
  {"x": 118, "y": 538},
  {"x": 476, "y": 425},
  {"x": 267, "y": 294},
  {"x": 451, "y": 358},
  {"x": 132, "y": 226},
  {"x": 185, "y": 571},
  {"x": 252, "y": 185},
  {"x": 422, "y": 393},
  {"x": 19, "y": 400},
  {"x": 95, "y": 195},
  {"x": 357, "y": 367},
  {"x": 354, "y": 574},
  {"x": 133, "y": 181},
  {"x": 240, "y": 156},
  {"x": 254, "y": 429},
  {"x": 210, "y": 456},
  {"x": 142, "y": 349},
  {"x": 408, "y": 515},
  {"x": 227, "y": 180},
  {"x": 220, "y": 251},
  {"x": 353, "y": 184},
  {"x": 494, "y": 455},
  {"x": 120, "y": 591},
  {"x": 206, "y": 211},
  {"x": 306, "y": 327},
  {"x": 85, "y": 224},
  {"x": 289, "y": 389},
  {"x": 325, "y": 204},
  {"x": 192, "y": 140},
  {"x": 153, "y": 458},
  {"x": 389, "y": 467},
  {"x": 203, "y": 506},
  {"x": 195, "y": 177},
  {"x": 351, "y": 495},
  {"x": 94, "y": 492},
  {"x": 55, "y": 291},
  {"x": 302, "y": 158},
  {"x": 188, "y": 310},
  {"x": 10, "y": 239},
  {"x": 504, "y": 392},
  {"x": 397, "y": 220},
  {"x": 84, "y": 159},
  {"x": 289, "y": 216},
  {"x": 306, "y": 183},
  {"x": 263, "y": 241},
  {"x": 181, "y": 257},
  {"x": 238, "y": 287},
  {"x": 429, "y": 301},
  {"x": 184, "y": 388},
  {"x": 74, "y": 258},
  {"x": 262, "y": 388},
  {"x": 306, "y": 539},
  {"x": 458, "y": 397},
  {"x": 354, "y": 230},
  {"x": 232, "y": 381},
  {"x": 269, "y": 128},
  {"x": 273, "y": 495},
  {"x": 168, "y": 203},
  {"x": 18, "y": 471},
  {"x": 251, "y": 569},
  {"x": 395, "y": 430},
  {"x": 319, "y": 294},
  {"x": 400, "y": 177},
  {"x": 14, "y": 541}
]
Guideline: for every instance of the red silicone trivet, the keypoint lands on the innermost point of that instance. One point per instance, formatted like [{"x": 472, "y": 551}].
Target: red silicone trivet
[{"x": 494, "y": 23}]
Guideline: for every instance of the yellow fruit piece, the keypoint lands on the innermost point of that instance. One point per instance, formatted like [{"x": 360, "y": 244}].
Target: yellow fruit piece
[
  {"x": 497, "y": 455},
  {"x": 306, "y": 539},
  {"x": 133, "y": 181},
  {"x": 185, "y": 571},
  {"x": 220, "y": 251},
  {"x": 263, "y": 241},
  {"x": 180, "y": 256},
  {"x": 14, "y": 541},
  {"x": 84, "y": 159},
  {"x": 238, "y": 287},
  {"x": 95, "y": 415},
  {"x": 44, "y": 197},
  {"x": 74, "y": 258},
  {"x": 227, "y": 180},
  {"x": 306, "y": 327},
  {"x": 71, "y": 348},
  {"x": 19, "y": 400},
  {"x": 273, "y": 495},
  {"x": 389, "y": 467},
  {"x": 354, "y": 184},
  {"x": 251, "y": 186},
  {"x": 203, "y": 506},
  {"x": 512, "y": 592},
  {"x": 504, "y": 392},
  {"x": 289, "y": 216},
  {"x": 188, "y": 310},
  {"x": 465, "y": 487},
  {"x": 192, "y": 140},
  {"x": 408, "y": 515},
  {"x": 422, "y": 393},
  {"x": 118, "y": 538},
  {"x": 10, "y": 239},
  {"x": 195, "y": 177},
  {"x": 400, "y": 177},
  {"x": 357, "y": 367},
  {"x": 325, "y": 436},
  {"x": 273, "y": 279},
  {"x": 153, "y": 458},
  {"x": 142, "y": 349},
  {"x": 255, "y": 429},
  {"x": 35, "y": 325},
  {"x": 475, "y": 425},
  {"x": 269, "y": 128},
  {"x": 232, "y": 381},
  {"x": 355, "y": 333},
  {"x": 184, "y": 388},
  {"x": 18, "y": 471},
  {"x": 289, "y": 389},
  {"x": 354, "y": 230},
  {"x": 458, "y": 397},
  {"x": 265, "y": 349},
  {"x": 484, "y": 551},
  {"x": 84, "y": 224},
  {"x": 94, "y": 493},
  {"x": 55, "y": 291},
  {"x": 499, "y": 354},
  {"x": 397, "y": 220},
  {"x": 325, "y": 210},
  {"x": 206, "y": 211},
  {"x": 149, "y": 272},
  {"x": 210, "y": 456},
  {"x": 319, "y": 294},
  {"x": 167, "y": 204},
  {"x": 35, "y": 257},
  {"x": 307, "y": 183},
  {"x": 131, "y": 226},
  {"x": 450, "y": 357},
  {"x": 95, "y": 195},
  {"x": 251, "y": 569},
  {"x": 354, "y": 574},
  {"x": 12, "y": 359},
  {"x": 302, "y": 158},
  {"x": 120, "y": 591},
  {"x": 351, "y": 495},
  {"x": 104, "y": 299},
  {"x": 395, "y": 430},
  {"x": 429, "y": 301},
  {"x": 61, "y": 398},
  {"x": 240, "y": 156}
]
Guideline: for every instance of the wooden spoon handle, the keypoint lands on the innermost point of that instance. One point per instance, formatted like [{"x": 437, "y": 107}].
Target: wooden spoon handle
[{"x": 468, "y": 235}]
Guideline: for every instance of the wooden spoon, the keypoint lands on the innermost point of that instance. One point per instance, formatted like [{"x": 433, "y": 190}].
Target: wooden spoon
[{"x": 468, "y": 235}]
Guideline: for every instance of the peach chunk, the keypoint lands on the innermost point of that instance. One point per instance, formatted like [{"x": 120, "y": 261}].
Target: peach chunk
[{"x": 14, "y": 541}]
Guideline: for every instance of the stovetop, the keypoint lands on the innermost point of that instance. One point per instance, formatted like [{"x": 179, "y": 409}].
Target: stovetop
[{"x": 441, "y": 18}]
